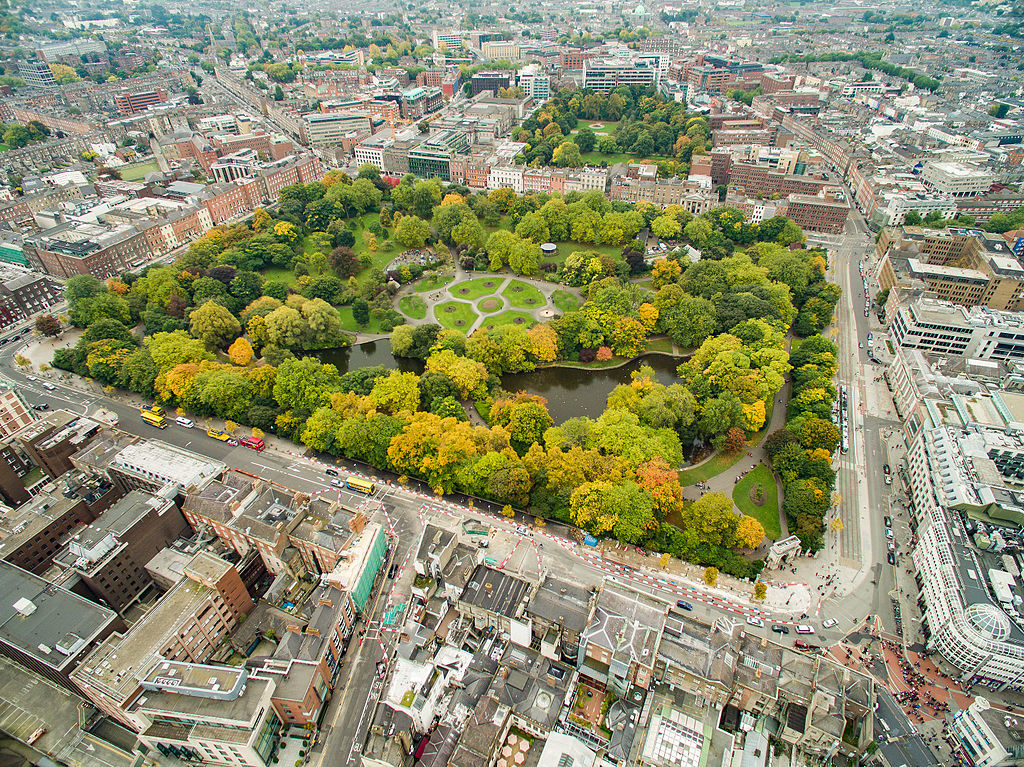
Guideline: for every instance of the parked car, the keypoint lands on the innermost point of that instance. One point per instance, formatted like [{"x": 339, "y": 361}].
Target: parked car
[
  {"x": 780, "y": 629},
  {"x": 48, "y": 386},
  {"x": 891, "y": 558},
  {"x": 829, "y": 623},
  {"x": 183, "y": 422},
  {"x": 330, "y": 472},
  {"x": 683, "y": 605},
  {"x": 888, "y": 521},
  {"x": 803, "y": 628},
  {"x": 41, "y": 406},
  {"x": 888, "y": 533},
  {"x": 800, "y": 644},
  {"x": 755, "y": 621}
]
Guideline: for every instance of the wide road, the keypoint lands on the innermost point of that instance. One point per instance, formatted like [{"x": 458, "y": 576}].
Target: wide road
[{"x": 860, "y": 482}]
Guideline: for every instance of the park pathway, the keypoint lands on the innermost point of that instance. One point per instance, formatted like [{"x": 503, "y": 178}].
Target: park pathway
[{"x": 448, "y": 293}]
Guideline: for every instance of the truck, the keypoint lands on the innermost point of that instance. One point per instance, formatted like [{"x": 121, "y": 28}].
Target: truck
[{"x": 105, "y": 417}]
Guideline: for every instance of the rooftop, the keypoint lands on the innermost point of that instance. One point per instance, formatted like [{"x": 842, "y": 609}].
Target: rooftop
[
  {"x": 165, "y": 463},
  {"x": 46, "y": 622},
  {"x": 495, "y": 592}
]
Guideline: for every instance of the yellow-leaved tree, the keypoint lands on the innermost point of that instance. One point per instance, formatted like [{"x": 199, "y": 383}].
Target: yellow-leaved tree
[{"x": 240, "y": 352}]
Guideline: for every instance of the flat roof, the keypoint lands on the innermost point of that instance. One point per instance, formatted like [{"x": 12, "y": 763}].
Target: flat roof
[
  {"x": 58, "y": 624},
  {"x": 160, "y": 461},
  {"x": 495, "y": 591}
]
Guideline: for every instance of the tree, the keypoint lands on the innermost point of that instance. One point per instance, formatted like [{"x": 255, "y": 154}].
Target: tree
[
  {"x": 567, "y": 155},
  {"x": 735, "y": 440},
  {"x": 361, "y": 312},
  {"x": 412, "y": 232},
  {"x": 760, "y": 591},
  {"x": 304, "y": 384},
  {"x": 507, "y": 511},
  {"x": 667, "y": 228},
  {"x": 214, "y": 325},
  {"x": 396, "y": 392},
  {"x": 749, "y": 532},
  {"x": 585, "y": 139},
  {"x": 710, "y": 576},
  {"x": 48, "y": 325},
  {"x": 240, "y": 352}
]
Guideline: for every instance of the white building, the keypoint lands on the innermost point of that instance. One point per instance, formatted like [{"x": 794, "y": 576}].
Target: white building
[
  {"x": 893, "y": 207},
  {"x": 605, "y": 75},
  {"x": 505, "y": 177},
  {"x": 371, "y": 150},
  {"x": 957, "y": 179},
  {"x": 448, "y": 41},
  {"x": 534, "y": 82},
  {"x": 976, "y": 736},
  {"x": 325, "y": 129},
  {"x": 586, "y": 178},
  {"x": 950, "y": 330}
]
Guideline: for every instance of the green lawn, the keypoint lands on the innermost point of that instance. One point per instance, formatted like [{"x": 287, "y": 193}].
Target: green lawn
[
  {"x": 470, "y": 290},
  {"x": 413, "y": 306},
  {"x": 509, "y": 317},
  {"x": 135, "y": 172},
  {"x": 608, "y": 126},
  {"x": 426, "y": 285},
  {"x": 660, "y": 345},
  {"x": 5, "y": 148},
  {"x": 349, "y": 324},
  {"x": 287, "y": 276},
  {"x": 718, "y": 463},
  {"x": 523, "y": 295},
  {"x": 565, "y": 301},
  {"x": 768, "y": 513},
  {"x": 460, "y": 317}
]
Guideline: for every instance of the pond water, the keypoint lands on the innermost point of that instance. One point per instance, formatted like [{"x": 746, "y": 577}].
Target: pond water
[{"x": 569, "y": 392}]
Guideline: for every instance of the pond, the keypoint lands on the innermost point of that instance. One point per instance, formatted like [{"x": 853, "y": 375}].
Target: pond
[{"x": 570, "y": 392}]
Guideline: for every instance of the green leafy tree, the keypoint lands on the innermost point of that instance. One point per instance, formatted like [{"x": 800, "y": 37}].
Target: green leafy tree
[{"x": 214, "y": 325}]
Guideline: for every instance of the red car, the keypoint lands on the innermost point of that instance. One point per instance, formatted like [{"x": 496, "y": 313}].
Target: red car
[{"x": 800, "y": 644}]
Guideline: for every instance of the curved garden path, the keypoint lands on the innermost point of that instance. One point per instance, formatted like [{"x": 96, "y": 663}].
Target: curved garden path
[{"x": 486, "y": 306}]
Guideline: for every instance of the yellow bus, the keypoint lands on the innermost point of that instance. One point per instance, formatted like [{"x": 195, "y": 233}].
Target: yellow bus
[
  {"x": 359, "y": 485},
  {"x": 154, "y": 409},
  {"x": 154, "y": 420}
]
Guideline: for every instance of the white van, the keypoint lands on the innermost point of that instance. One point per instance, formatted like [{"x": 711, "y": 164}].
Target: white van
[
  {"x": 803, "y": 628},
  {"x": 184, "y": 422}
]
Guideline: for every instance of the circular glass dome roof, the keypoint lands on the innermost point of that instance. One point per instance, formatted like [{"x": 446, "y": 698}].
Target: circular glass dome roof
[{"x": 988, "y": 621}]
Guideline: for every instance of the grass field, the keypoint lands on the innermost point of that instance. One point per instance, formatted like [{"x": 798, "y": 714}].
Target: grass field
[
  {"x": 565, "y": 301},
  {"x": 287, "y": 276},
  {"x": 718, "y": 463},
  {"x": 470, "y": 290},
  {"x": 660, "y": 345},
  {"x": 608, "y": 127},
  {"x": 425, "y": 286},
  {"x": 135, "y": 172},
  {"x": 460, "y": 316},
  {"x": 509, "y": 317},
  {"x": 768, "y": 513},
  {"x": 522, "y": 295},
  {"x": 349, "y": 324},
  {"x": 5, "y": 148},
  {"x": 565, "y": 249},
  {"x": 413, "y": 306}
]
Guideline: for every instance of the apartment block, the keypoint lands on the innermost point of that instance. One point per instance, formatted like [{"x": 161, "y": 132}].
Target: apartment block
[
  {"x": 70, "y": 249},
  {"x": 949, "y": 330},
  {"x": 32, "y": 535},
  {"x": 187, "y": 624},
  {"x": 817, "y": 214},
  {"x": 202, "y": 714},
  {"x": 964, "y": 266},
  {"x": 109, "y": 554},
  {"x": 54, "y": 438},
  {"x": 956, "y": 179},
  {"x": 489, "y": 81},
  {"x": 605, "y": 75},
  {"x": 139, "y": 101}
]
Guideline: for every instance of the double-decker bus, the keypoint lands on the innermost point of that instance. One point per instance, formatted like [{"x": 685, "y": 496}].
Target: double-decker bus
[
  {"x": 359, "y": 485},
  {"x": 154, "y": 420}
]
